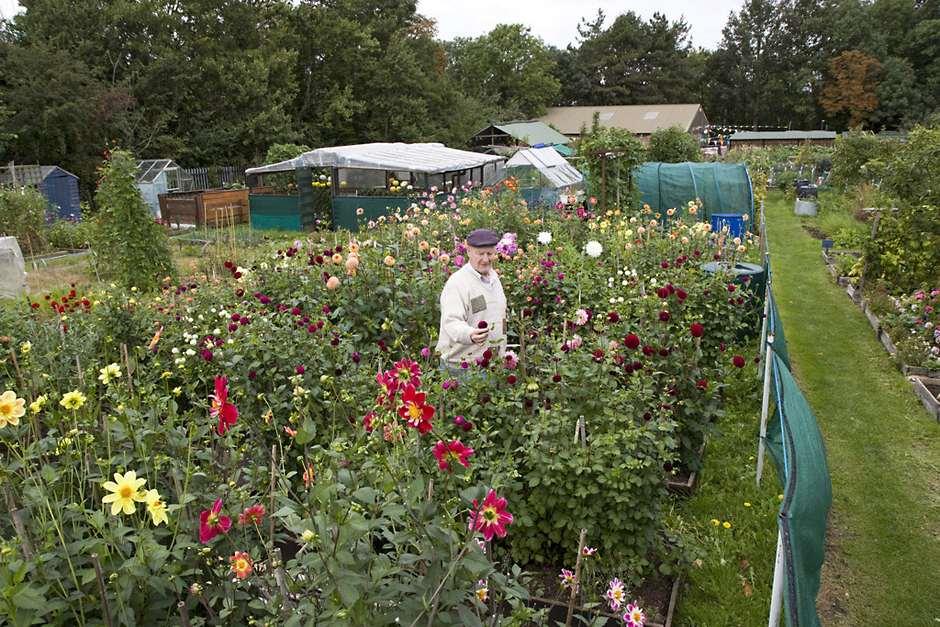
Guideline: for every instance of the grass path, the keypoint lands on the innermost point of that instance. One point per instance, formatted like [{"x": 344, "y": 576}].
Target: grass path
[{"x": 883, "y": 560}]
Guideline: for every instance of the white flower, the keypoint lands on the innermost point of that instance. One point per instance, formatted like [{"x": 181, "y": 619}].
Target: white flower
[
  {"x": 593, "y": 248},
  {"x": 190, "y": 352},
  {"x": 544, "y": 238}
]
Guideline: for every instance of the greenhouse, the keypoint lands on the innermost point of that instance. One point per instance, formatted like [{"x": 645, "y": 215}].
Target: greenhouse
[
  {"x": 332, "y": 184},
  {"x": 723, "y": 188},
  {"x": 542, "y": 173},
  {"x": 160, "y": 176}
]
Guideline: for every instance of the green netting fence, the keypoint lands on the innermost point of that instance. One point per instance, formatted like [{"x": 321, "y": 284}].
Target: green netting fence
[
  {"x": 722, "y": 187},
  {"x": 797, "y": 448}
]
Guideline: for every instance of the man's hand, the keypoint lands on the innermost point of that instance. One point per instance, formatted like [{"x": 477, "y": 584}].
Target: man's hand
[{"x": 479, "y": 336}]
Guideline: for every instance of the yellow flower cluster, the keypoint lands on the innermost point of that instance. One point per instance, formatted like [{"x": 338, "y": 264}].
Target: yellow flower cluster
[{"x": 125, "y": 493}]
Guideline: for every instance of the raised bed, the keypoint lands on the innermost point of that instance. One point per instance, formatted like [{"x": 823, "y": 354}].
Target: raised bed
[
  {"x": 209, "y": 207},
  {"x": 887, "y": 342},
  {"x": 917, "y": 371},
  {"x": 928, "y": 391},
  {"x": 684, "y": 483},
  {"x": 872, "y": 318}
]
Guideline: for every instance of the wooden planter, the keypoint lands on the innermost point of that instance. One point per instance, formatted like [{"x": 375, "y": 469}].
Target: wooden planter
[
  {"x": 685, "y": 486},
  {"x": 854, "y": 293},
  {"x": 872, "y": 318},
  {"x": 887, "y": 343},
  {"x": 928, "y": 391},
  {"x": 558, "y": 610},
  {"x": 210, "y": 207},
  {"x": 917, "y": 371}
]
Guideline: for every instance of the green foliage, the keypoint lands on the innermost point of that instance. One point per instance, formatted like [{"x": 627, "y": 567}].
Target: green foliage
[
  {"x": 287, "y": 182},
  {"x": 912, "y": 173},
  {"x": 23, "y": 215},
  {"x": 673, "y": 145},
  {"x": 70, "y": 235},
  {"x": 508, "y": 68},
  {"x": 631, "y": 61},
  {"x": 610, "y": 154},
  {"x": 131, "y": 247},
  {"x": 905, "y": 252},
  {"x": 852, "y": 152}
]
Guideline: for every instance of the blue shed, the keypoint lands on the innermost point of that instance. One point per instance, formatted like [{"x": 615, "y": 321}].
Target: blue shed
[{"x": 60, "y": 187}]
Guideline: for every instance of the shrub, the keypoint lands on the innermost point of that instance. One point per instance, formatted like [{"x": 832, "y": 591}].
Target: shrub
[
  {"x": 63, "y": 234},
  {"x": 912, "y": 173},
  {"x": 905, "y": 252},
  {"x": 852, "y": 152},
  {"x": 132, "y": 249},
  {"x": 23, "y": 215},
  {"x": 673, "y": 145}
]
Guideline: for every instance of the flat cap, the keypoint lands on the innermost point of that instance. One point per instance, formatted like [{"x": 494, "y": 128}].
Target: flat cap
[{"x": 482, "y": 238}]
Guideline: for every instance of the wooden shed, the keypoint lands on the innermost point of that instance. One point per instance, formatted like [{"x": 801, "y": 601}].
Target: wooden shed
[
  {"x": 60, "y": 187},
  {"x": 762, "y": 139}
]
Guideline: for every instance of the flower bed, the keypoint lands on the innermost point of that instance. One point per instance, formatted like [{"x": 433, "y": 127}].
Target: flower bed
[{"x": 280, "y": 445}]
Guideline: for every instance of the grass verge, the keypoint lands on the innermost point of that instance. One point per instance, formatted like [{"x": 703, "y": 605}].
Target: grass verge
[{"x": 883, "y": 558}]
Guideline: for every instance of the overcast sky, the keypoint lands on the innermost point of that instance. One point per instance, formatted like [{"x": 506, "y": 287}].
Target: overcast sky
[{"x": 555, "y": 21}]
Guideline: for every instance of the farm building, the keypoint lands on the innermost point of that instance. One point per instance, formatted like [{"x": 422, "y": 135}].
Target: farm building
[
  {"x": 641, "y": 120},
  {"x": 334, "y": 183},
  {"x": 500, "y": 138},
  {"x": 760, "y": 139},
  {"x": 160, "y": 176},
  {"x": 60, "y": 187}
]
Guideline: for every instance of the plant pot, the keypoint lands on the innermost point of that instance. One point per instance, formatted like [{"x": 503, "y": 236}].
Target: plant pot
[{"x": 928, "y": 391}]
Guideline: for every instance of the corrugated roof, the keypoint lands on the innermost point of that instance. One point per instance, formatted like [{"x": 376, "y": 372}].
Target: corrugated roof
[
  {"x": 781, "y": 135},
  {"x": 533, "y": 133},
  {"x": 430, "y": 158},
  {"x": 551, "y": 165},
  {"x": 638, "y": 119}
]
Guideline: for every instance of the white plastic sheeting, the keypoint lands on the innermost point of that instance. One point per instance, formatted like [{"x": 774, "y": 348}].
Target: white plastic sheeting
[
  {"x": 429, "y": 158},
  {"x": 549, "y": 163},
  {"x": 12, "y": 268}
]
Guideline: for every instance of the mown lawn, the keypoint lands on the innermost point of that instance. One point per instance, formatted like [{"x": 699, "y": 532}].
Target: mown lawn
[{"x": 883, "y": 558}]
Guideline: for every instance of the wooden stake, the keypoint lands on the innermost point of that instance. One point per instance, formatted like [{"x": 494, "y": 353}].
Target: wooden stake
[
  {"x": 18, "y": 524},
  {"x": 184, "y": 613},
  {"x": 577, "y": 579},
  {"x": 271, "y": 492},
  {"x": 281, "y": 581},
  {"x": 102, "y": 590}
]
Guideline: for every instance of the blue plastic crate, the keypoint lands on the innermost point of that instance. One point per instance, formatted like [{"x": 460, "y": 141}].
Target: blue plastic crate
[{"x": 734, "y": 222}]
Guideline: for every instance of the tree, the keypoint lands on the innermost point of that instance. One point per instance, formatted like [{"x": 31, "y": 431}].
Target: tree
[
  {"x": 631, "y": 62},
  {"x": 509, "y": 68},
  {"x": 673, "y": 145},
  {"x": 851, "y": 87}
]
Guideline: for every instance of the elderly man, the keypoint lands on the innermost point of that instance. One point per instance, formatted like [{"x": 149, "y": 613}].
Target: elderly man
[{"x": 473, "y": 306}]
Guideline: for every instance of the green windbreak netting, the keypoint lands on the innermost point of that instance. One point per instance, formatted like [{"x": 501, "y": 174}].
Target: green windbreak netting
[
  {"x": 775, "y": 329},
  {"x": 796, "y": 444},
  {"x": 722, "y": 187}
]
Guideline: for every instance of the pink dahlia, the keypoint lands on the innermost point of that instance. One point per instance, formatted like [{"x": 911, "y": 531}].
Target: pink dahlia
[
  {"x": 453, "y": 452},
  {"x": 491, "y": 518}
]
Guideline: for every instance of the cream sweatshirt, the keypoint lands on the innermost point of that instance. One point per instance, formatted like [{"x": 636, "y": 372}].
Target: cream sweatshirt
[{"x": 466, "y": 300}]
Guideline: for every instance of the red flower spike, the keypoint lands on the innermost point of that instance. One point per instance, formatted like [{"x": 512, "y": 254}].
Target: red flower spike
[
  {"x": 697, "y": 329},
  {"x": 226, "y": 412}
]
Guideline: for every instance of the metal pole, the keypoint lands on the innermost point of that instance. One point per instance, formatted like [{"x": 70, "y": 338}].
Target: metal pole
[
  {"x": 776, "y": 597},
  {"x": 762, "y": 348},
  {"x": 765, "y": 407}
]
